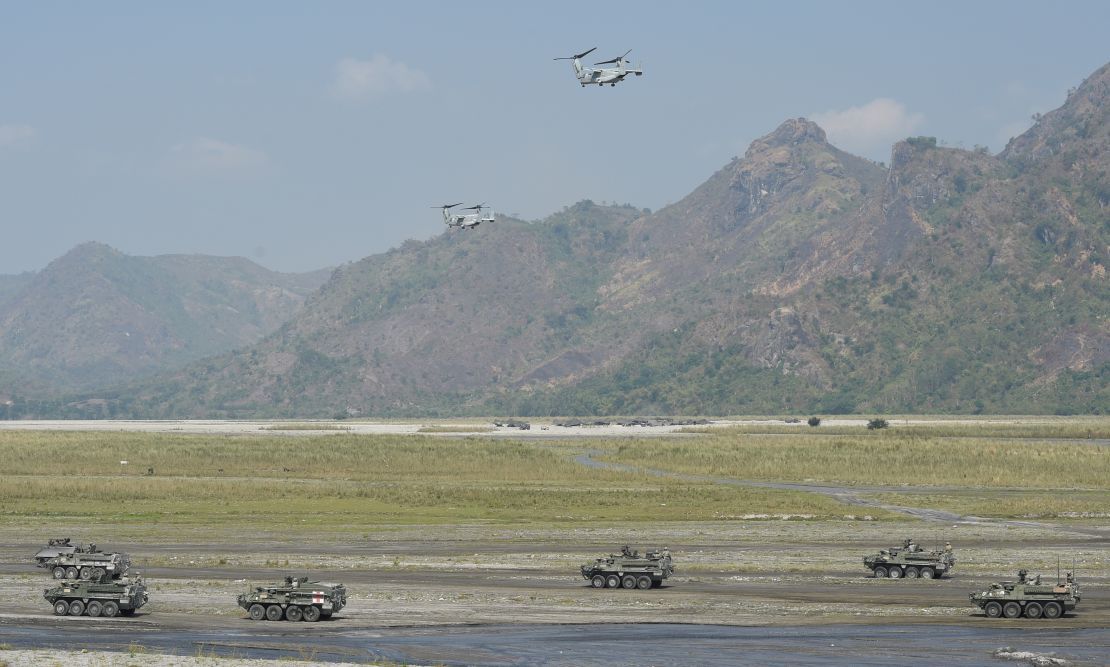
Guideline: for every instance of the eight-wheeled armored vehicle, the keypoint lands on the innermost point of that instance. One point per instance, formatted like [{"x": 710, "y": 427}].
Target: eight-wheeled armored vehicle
[
  {"x": 105, "y": 596},
  {"x": 911, "y": 561},
  {"x": 86, "y": 563},
  {"x": 295, "y": 599},
  {"x": 629, "y": 569},
  {"x": 1028, "y": 597}
]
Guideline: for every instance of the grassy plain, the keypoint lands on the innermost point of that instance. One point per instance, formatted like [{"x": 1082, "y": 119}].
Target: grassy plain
[
  {"x": 886, "y": 457},
  {"x": 346, "y": 482}
]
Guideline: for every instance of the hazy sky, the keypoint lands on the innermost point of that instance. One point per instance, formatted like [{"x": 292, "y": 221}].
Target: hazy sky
[{"x": 314, "y": 133}]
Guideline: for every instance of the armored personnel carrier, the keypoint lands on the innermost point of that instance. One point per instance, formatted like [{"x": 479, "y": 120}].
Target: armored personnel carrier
[
  {"x": 295, "y": 599},
  {"x": 86, "y": 563},
  {"x": 1028, "y": 597},
  {"x": 105, "y": 596},
  {"x": 911, "y": 561},
  {"x": 629, "y": 569}
]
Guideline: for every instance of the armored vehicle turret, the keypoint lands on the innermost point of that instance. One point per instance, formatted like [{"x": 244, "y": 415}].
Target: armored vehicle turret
[
  {"x": 629, "y": 569},
  {"x": 105, "y": 596},
  {"x": 1028, "y": 597},
  {"x": 911, "y": 561},
  {"x": 295, "y": 599},
  {"x": 55, "y": 547},
  {"x": 86, "y": 563}
]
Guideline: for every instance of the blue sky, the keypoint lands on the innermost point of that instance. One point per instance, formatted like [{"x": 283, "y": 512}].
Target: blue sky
[{"x": 309, "y": 134}]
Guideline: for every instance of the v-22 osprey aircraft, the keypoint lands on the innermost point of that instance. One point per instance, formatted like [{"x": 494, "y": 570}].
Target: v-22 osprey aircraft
[
  {"x": 588, "y": 76},
  {"x": 466, "y": 220}
]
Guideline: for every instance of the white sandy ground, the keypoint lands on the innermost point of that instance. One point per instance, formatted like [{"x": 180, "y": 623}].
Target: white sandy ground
[
  {"x": 540, "y": 428},
  {"x": 42, "y": 658}
]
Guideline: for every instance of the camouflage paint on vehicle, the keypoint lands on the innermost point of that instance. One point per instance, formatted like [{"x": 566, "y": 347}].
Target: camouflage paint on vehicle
[{"x": 295, "y": 599}]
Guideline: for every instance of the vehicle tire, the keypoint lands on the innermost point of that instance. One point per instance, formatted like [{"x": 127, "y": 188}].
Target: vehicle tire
[
  {"x": 274, "y": 612},
  {"x": 110, "y": 610},
  {"x": 97, "y": 573},
  {"x": 880, "y": 572},
  {"x": 59, "y": 572},
  {"x": 71, "y": 573},
  {"x": 76, "y": 608},
  {"x": 928, "y": 573},
  {"x": 1011, "y": 610},
  {"x": 912, "y": 572},
  {"x": 311, "y": 613},
  {"x": 993, "y": 609},
  {"x": 894, "y": 572},
  {"x": 293, "y": 613},
  {"x": 629, "y": 581},
  {"x": 643, "y": 582},
  {"x": 1033, "y": 610},
  {"x": 257, "y": 612},
  {"x": 61, "y": 608},
  {"x": 612, "y": 581},
  {"x": 1053, "y": 610},
  {"x": 85, "y": 573},
  {"x": 94, "y": 608},
  {"x": 598, "y": 581}
]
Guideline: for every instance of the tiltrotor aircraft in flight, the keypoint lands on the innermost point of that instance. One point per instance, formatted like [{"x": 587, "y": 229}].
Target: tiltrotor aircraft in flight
[
  {"x": 466, "y": 220},
  {"x": 588, "y": 76}
]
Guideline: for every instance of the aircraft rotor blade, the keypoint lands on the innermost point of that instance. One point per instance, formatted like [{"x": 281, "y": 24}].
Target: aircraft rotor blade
[
  {"x": 475, "y": 207},
  {"x": 446, "y": 205},
  {"x": 577, "y": 56},
  {"x": 615, "y": 60}
]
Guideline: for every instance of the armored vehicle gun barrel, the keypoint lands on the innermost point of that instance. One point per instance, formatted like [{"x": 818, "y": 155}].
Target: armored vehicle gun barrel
[
  {"x": 629, "y": 569},
  {"x": 911, "y": 561},
  {"x": 1028, "y": 597},
  {"x": 101, "y": 597},
  {"x": 294, "y": 599}
]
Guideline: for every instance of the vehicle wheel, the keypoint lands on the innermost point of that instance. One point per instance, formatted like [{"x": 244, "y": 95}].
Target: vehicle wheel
[
  {"x": 94, "y": 608},
  {"x": 274, "y": 613},
  {"x": 111, "y": 609},
  {"x": 643, "y": 582},
  {"x": 71, "y": 573},
  {"x": 76, "y": 608},
  {"x": 880, "y": 572},
  {"x": 85, "y": 573},
  {"x": 612, "y": 581},
  {"x": 894, "y": 572},
  {"x": 59, "y": 572},
  {"x": 311, "y": 613},
  {"x": 1053, "y": 610},
  {"x": 61, "y": 608},
  {"x": 293, "y": 613},
  {"x": 928, "y": 573},
  {"x": 993, "y": 609},
  {"x": 629, "y": 581},
  {"x": 97, "y": 573},
  {"x": 598, "y": 581},
  {"x": 912, "y": 572},
  {"x": 1011, "y": 610},
  {"x": 257, "y": 612},
  {"x": 1033, "y": 610}
]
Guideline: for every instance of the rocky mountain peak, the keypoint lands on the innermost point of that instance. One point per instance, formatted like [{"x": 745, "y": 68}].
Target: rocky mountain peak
[
  {"x": 1083, "y": 119},
  {"x": 793, "y": 132}
]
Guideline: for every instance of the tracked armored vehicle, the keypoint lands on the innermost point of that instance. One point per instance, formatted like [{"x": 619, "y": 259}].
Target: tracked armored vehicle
[
  {"x": 630, "y": 570},
  {"x": 1028, "y": 597},
  {"x": 86, "y": 563},
  {"x": 911, "y": 561},
  {"x": 106, "y": 596},
  {"x": 295, "y": 599}
]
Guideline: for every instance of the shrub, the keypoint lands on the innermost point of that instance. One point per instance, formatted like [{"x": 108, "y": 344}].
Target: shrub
[
  {"x": 814, "y": 421},
  {"x": 877, "y": 423}
]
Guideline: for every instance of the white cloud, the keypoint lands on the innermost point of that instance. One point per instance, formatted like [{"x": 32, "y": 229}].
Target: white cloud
[
  {"x": 869, "y": 129},
  {"x": 14, "y": 134},
  {"x": 377, "y": 76},
  {"x": 213, "y": 155}
]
